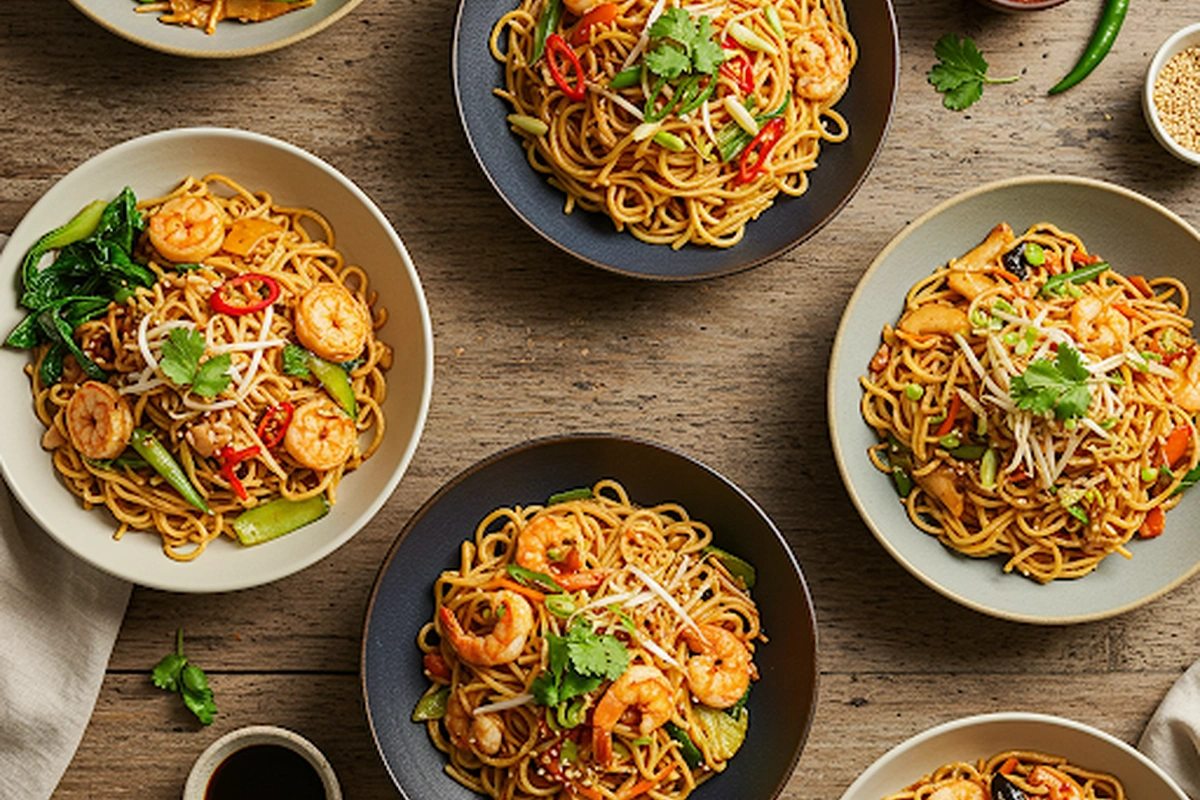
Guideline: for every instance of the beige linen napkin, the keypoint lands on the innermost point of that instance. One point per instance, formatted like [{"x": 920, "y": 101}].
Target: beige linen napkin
[
  {"x": 1172, "y": 737},
  {"x": 59, "y": 617}
]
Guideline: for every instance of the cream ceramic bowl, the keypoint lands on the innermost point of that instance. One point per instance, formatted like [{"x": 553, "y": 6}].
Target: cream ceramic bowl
[
  {"x": 152, "y": 165},
  {"x": 231, "y": 39},
  {"x": 197, "y": 783},
  {"x": 1176, "y": 43},
  {"x": 1120, "y": 225},
  {"x": 973, "y": 738}
]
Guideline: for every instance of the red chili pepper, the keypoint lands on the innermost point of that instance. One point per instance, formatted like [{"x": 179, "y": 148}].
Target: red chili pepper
[
  {"x": 436, "y": 666},
  {"x": 948, "y": 423},
  {"x": 1079, "y": 258},
  {"x": 597, "y": 16},
  {"x": 244, "y": 294},
  {"x": 1153, "y": 524},
  {"x": 743, "y": 76},
  {"x": 274, "y": 423},
  {"x": 230, "y": 458},
  {"x": 556, "y": 45},
  {"x": 754, "y": 158}
]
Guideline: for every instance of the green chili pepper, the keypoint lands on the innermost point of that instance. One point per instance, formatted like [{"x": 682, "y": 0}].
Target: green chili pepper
[
  {"x": 687, "y": 748},
  {"x": 689, "y": 104},
  {"x": 902, "y": 481},
  {"x": 733, "y": 138},
  {"x": 969, "y": 452},
  {"x": 1055, "y": 284},
  {"x": 336, "y": 381},
  {"x": 1098, "y": 47},
  {"x": 536, "y": 580},
  {"x": 432, "y": 705},
  {"x": 272, "y": 520},
  {"x": 1079, "y": 514},
  {"x": 560, "y": 605},
  {"x": 626, "y": 78},
  {"x": 81, "y": 226},
  {"x": 149, "y": 448},
  {"x": 571, "y": 494},
  {"x": 546, "y": 24},
  {"x": 569, "y": 715}
]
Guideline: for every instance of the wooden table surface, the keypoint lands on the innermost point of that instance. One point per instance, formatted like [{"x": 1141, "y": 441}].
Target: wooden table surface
[{"x": 731, "y": 371}]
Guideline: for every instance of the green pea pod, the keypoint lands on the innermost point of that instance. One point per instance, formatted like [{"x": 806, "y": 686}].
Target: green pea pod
[
  {"x": 432, "y": 705},
  {"x": 148, "y": 447},
  {"x": 571, "y": 494},
  {"x": 687, "y": 748},
  {"x": 546, "y": 25},
  {"x": 738, "y": 567},
  {"x": 272, "y": 520},
  {"x": 533, "y": 579},
  {"x": 336, "y": 381},
  {"x": 1098, "y": 47},
  {"x": 81, "y": 226},
  {"x": 1056, "y": 283}
]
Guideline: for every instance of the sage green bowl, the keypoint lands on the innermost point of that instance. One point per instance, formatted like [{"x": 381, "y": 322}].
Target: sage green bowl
[{"x": 1132, "y": 232}]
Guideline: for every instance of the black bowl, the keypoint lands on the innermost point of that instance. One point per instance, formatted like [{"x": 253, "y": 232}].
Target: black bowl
[
  {"x": 867, "y": 107},
  {"x": 781, "y": 702}
]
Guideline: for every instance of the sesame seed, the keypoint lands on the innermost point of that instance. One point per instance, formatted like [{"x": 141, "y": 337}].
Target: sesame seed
[{"x": 1177, "y": 98}]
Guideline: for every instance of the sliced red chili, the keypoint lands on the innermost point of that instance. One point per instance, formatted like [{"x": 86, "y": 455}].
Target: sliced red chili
[
  {"x": 556, "y": 46},
  {"x": 274, "y": 423},
  {"x": 230, "y": 458},
  {"x": 244, "y": 294},
  {"x": 754, "y": 158},
  {"x": 597, "y": 16},
  {"x": 737, "y": 68}
]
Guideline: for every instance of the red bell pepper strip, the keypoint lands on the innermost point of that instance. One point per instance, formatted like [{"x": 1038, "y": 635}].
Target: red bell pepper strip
[
  {"x": 244, "y": 294},
  {"x": 1176, "y": 445},
  {"x": 274, "y": 423},
  {"x": 436, "y": 666},
  {"x": 1153, "y": 524},
  {"x": 1079, "y": 258},
  {"x": 948, "y": 423},
  {"x": 230, "y": 458},
  {"x": 556, "y": 46},
  {"x": 601, "y": 14},
  {"x": 753, "y": 160}
]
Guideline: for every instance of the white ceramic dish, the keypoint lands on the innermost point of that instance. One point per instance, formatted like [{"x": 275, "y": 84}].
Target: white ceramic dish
[
  {"x": 1176, "y": 43},
  {"x": 982, "y": 736},
  {"x": 231, "y": 39},
  {"x": 1121, "y": 225},
  {"x": 153, "y": 165},
  {"x": 196, "y": 787}
]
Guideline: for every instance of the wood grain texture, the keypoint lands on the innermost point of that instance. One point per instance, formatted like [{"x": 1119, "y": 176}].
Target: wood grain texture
[{"x": 530, "y": 343}]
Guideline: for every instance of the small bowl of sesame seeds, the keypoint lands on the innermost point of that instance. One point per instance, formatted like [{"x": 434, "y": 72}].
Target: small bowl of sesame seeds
[{"x": 1171, "y": 98}]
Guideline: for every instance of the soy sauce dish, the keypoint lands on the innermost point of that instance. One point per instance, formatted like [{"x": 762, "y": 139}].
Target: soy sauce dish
[{"x": 262, "y": 762}]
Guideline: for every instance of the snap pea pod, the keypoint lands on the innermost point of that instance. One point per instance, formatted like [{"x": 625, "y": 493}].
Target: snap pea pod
[
  {"x": 738, "y": 567},
  {"x": 336, "y": 381},
  {"x": 1055, "y": 283},
  {"x": 149, "y": 448},
  {"x": 81, "y": 226},
  {"x": 272, "y": 520},
  {"x": 1098, "y": 47},
  {"x": 687, "y": 748},
  {"x": 432, "y": 705},
  {"x": 546, "y": 25}
]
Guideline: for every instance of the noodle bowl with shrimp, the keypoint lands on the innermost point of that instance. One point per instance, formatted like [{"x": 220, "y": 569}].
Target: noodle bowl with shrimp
[{"x": 243, "y": 373}]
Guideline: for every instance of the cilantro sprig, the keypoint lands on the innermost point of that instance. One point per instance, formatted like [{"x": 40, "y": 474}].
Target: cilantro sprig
[
  {"x": 680, "y": 45},
  {"x": 578, "y": 663},
  {"x": 175, "y": 674},
  {"x": 181, "y": 363},
  {"x": 1059, "y": 385},
  {"x": 961, "y": 73}
]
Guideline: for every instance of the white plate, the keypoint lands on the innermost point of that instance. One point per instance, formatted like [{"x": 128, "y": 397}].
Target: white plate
[
  {"x": 231, "y": 39},
  {"x": 153, "y": 165},
  {"x": 1136, "y": 235},
  {"x": 982, "y": 736}
]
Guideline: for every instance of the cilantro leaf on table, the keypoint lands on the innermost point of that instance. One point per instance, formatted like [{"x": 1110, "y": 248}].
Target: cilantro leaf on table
[
  {"x": 1059, "y": 385},
  {"x": 175, "y": 674},
  {"x": 961, "y": 73},
  {"x": 181, "y": 363}
]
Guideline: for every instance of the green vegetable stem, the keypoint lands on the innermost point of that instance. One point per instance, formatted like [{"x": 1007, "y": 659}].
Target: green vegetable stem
[
  {"x": 962, "y": 73},
  {"x": 1098, "y": 47},
  {"x": 148, "y": 447},
  {"x": 81, "y": 226},
  {"x": 546, "y": 24}
]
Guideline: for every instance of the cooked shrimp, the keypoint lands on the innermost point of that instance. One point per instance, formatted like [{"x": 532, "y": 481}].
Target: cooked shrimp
[
  {"x": 1186, "y": 389},
  {"x": 549, "y": 544},
  {"x": 187, "y": 229},
  {"x": 469, "y": 731},
  {"x": 642, "y": 689},
  {"x": 506, "y": 639},
  {"x": 959, "y": 790},
  {"x": 320, "y": 436},
  {"x": 332, "y": 322},
  {"x": 99, "y": 421},
  {"x": 1061, "y": 785},
  {"x": 719, "y": 673},
  {"x": 822, "y": 60},
  {"x": 1104, "y": 330}
]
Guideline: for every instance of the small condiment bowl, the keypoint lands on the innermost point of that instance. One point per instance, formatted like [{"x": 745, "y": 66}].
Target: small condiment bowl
[
  {"x": 196, "y": 787},
  {"x": 1018, "y": 6},
  {"x": 1176, "y": 43}
]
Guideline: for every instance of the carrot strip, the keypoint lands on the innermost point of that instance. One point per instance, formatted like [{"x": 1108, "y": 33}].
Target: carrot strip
[
  {"x": 646, "y": 784},
  {"x": 948, "y": 423},
  {"x": 1141, "y": 285},
  {"x": 1008, "y": 766},
  {"x": 1176, "y": 445},
  {"x": 1154, "y": 523},
  {"x": 505, "y": 583},
  {"x": 1124, "y": 309}
]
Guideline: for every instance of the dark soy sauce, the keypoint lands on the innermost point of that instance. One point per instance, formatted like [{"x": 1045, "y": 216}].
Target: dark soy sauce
[{"x": 265, "y": 772}]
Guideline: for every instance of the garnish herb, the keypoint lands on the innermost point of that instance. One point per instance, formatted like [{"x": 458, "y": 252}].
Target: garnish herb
[
  {"x": 175, "y": 674},
  {"x": 1060, "y": 385},
  {"x": 181, "y": 363},
  {"x": 578, "y": 663},
  {"x": 961, "y": 73},
  {"x": 682, "y": 53},
  {"x": 295, "y": 361}
]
